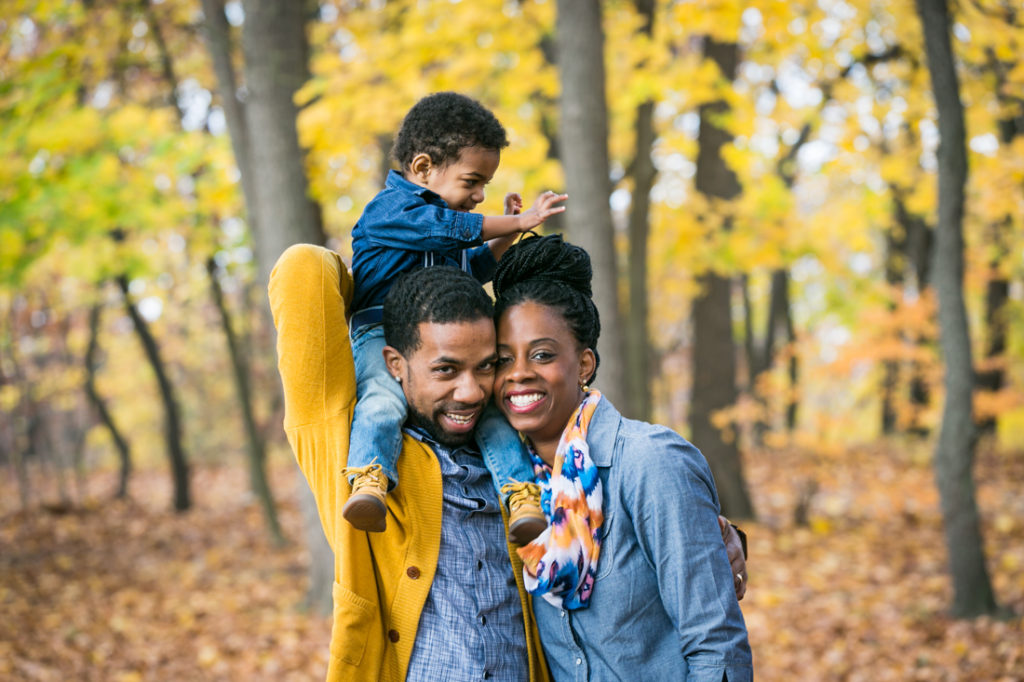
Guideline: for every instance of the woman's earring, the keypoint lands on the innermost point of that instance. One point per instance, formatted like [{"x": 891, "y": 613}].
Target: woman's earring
[{"x": 584, "y": 387}]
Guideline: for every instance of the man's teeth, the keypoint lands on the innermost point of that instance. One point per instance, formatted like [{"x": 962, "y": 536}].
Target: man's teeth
[
  {"x": 459, "y": 419},
  {"x": 524, "y": 399}
]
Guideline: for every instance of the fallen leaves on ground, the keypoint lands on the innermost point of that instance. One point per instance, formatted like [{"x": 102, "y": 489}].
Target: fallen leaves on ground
[
  {"x": 862, "y": 592},
  {"x": 128, "y": 590}
]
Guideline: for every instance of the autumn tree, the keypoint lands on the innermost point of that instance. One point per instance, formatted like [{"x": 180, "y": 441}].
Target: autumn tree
[
  {"x": 99, "y": 403},
  {"x": 239, "y": 362},
  {"x": 168, "y": 395},
  {"x": 82, "y": 176},
  {"x": 583, "y": 136},
  {"x": 272, "y": 167},
  {"x": 954, "y": 453},
  {"x": 643, "y": 173},
  {"x": 714, "y": 355}
]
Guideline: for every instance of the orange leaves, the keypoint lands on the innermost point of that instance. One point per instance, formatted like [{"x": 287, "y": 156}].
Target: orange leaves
[
  {"x": 860, "y": 594},
  {"x": 129, "y": 591}
]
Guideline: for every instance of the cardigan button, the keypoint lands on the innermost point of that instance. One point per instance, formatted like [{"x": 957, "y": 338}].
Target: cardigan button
[
  {"x": 393, "y": 635},
  {"x": 412, "y": 572}
]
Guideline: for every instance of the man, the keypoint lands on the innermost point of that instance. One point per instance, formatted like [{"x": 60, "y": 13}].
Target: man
[{"x": 440, "y": 593}]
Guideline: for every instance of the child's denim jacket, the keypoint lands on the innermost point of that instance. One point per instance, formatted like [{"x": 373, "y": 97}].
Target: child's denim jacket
[{"x": 405, "y": 227}]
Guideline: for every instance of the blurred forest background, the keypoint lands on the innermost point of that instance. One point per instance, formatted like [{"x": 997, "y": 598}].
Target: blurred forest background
[{"x": 779, "y": 276}]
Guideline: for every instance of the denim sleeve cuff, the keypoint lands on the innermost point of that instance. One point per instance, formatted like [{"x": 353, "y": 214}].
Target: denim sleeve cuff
[{"x": 468, "y": 227}]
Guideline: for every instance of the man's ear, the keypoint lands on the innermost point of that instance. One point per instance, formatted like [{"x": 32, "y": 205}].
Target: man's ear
[
  {"x": 395, "y": 363},
  {"x": 420, "y": 166},
  {"x": 588, "y": 364}
]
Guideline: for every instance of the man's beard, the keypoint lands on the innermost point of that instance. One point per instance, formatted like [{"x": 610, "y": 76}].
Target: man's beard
[{"x": 434, "y": 428}]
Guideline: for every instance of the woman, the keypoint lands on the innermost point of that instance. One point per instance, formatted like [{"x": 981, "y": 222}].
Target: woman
[{"x": 631, "y": 579}]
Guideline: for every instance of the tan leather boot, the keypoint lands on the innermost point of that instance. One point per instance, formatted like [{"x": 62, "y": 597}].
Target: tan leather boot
[
  {"x": 366, "y": 508},
  {"x": 526, "y": 519}
]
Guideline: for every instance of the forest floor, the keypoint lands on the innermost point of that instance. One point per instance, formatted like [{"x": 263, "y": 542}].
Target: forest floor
[{"x": 127, "y": 590}]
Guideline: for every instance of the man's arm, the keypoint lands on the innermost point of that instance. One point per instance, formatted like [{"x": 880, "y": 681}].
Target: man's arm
[
  {"x": 309, "y": 290},
  {"x": 736, "y": 547}
]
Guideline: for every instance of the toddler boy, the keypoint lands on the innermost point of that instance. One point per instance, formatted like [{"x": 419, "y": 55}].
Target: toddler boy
[{"x": 448, "y": 149}]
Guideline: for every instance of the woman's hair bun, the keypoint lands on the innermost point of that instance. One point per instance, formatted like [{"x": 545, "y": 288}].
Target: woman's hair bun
[{"x": 547, "y": 258}]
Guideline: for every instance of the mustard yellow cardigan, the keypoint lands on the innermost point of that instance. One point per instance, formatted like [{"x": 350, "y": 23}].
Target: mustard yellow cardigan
[{"x": 381, "y": 580}]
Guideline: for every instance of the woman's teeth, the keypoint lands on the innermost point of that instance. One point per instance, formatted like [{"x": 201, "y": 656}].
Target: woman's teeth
[{"x": 524, "y": 399}]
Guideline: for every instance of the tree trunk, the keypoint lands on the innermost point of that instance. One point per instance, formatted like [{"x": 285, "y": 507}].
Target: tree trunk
[
  {"x": 749, "y": 345},
  {"x": 638, "y": 344},
  {"x": 219, "y": 45},
  {"x": 758, "y": 358},
  {"x": 584, "y": 152},
  {"x": 714, "y": 356},
  {"x": 997, "y": 295},
  {"x": 275, "y": 47},
  {"x": 780, "y": 321},
  {"x": 120, "y": 444},
  {"x": 271, "y": 163},
  {"x": 643, "y": 172},
  {"x": 954, "y": 455},
  {"x": 895, "y": 257},
  {"x": 172, "y": 419},
  {"x": 257, "y": 448},
  {"x": 218, "y": 42},
  {"x": 780, "y": 309}
]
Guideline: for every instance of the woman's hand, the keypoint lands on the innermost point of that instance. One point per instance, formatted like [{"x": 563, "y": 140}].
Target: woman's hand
[{"x": 737, "y": 558}]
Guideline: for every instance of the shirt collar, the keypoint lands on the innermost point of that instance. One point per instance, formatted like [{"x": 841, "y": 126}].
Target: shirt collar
[
  {"x": 604, "y": 428},
  {"x": 396, "y": 180},
  {"x": 422, "y": 436}
]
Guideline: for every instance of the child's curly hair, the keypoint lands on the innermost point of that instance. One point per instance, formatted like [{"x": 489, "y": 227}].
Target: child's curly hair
[{"x": 442, "y": 125}]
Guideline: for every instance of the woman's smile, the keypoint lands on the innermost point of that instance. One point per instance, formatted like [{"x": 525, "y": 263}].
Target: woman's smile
[{"x": 523, "y": 401}]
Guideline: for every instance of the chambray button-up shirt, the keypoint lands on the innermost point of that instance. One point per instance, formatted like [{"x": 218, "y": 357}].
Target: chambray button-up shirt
[
  {"x": 664, "y": 606},
  {"x": 406, "y": 227},
  {"x": 471, "y": 627}
]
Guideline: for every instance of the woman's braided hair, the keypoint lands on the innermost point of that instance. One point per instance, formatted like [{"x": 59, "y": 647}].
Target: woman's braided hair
[{"x": 549, "y": 271}]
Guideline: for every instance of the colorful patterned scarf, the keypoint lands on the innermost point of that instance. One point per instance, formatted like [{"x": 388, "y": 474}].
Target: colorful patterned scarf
[{"x": 561, "y": 563}]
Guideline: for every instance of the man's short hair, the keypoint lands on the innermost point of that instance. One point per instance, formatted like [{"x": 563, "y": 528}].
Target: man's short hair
[
  {"x": 439, "y": 294},
  {"x": 442, "y": 125}
]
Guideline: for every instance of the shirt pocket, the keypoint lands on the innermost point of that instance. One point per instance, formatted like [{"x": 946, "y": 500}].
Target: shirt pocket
[{"x": 353, "y": 617}]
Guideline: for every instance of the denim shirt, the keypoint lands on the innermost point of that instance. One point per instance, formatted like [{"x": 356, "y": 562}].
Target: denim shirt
[
  {"x": 664, "y": 606},
  {"x": 471, "y": 626},
  {"x": 406, "y": 227}
]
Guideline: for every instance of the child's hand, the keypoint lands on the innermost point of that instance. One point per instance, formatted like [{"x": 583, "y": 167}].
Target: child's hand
[
  {"x": 513, "y": 203},
  {"x": 541, "y": 210}
]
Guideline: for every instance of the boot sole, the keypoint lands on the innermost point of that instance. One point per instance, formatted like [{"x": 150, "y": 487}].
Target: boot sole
[
  {"x": 366, "y": 513},
  {"x": 525, "y": 530}
]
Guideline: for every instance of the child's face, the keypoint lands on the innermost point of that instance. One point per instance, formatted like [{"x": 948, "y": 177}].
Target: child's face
[{"x": 460, "y": 183}]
